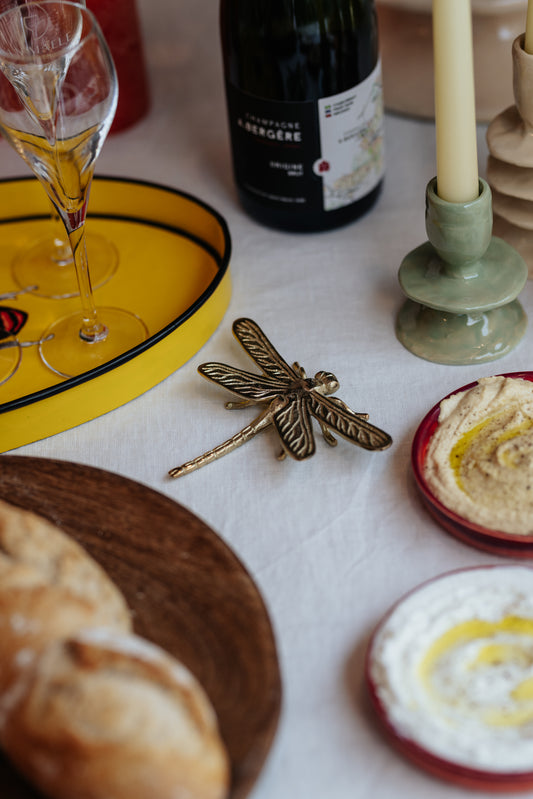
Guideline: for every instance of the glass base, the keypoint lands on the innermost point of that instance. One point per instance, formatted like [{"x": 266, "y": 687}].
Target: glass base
[
  {"x": 48, "y": 266},
  {"x": 67, "y": 354},
  {"x": 10, "y": 356}
]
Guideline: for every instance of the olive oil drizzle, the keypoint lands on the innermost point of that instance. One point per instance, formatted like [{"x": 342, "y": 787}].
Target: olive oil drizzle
[
  {"x": 461, "y": 449},
  {"x": 502, "y": 644}
]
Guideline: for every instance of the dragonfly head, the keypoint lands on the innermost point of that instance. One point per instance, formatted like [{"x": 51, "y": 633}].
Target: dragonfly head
[{"x": 328, "y": 381}]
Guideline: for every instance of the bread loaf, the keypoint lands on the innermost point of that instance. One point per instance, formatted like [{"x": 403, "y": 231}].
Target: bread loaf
[
  {"x": 102, "y": 716},
  {"x": 49, "y": 588}
]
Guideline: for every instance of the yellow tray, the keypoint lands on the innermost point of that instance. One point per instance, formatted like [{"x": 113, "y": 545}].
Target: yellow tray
[{"x": 173, "y": 271}]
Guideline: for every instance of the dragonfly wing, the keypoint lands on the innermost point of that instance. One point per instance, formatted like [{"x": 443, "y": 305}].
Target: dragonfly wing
[
  {"x": 349, "y": 425},
  {"x": 251, "y": 337},
  {"x": 293, "y": 423},
  {"x": 256, "y": 387}
]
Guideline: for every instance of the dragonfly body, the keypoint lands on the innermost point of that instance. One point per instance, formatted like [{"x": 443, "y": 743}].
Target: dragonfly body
[
  {"x": 263, "y": 421},
  {"x": 292, "y": 400}
]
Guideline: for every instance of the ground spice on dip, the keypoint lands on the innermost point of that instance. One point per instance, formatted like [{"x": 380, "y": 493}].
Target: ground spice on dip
[{"x": 479, "y": 461}]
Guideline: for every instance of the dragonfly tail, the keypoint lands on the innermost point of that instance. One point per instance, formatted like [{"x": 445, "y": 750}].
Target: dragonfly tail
[{"x": 240, "y": 438}]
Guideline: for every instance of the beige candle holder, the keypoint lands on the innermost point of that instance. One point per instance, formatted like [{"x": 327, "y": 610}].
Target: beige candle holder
[{"x": 510, "y": 162}]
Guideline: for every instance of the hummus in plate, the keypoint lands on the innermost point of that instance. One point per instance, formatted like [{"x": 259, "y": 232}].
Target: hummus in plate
[
  {"x": 479, "y": 461},
  {"x": 451, "y": 667}
]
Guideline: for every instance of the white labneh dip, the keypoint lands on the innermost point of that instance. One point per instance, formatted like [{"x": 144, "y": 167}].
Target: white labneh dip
[{"x": 452, "y": 668}]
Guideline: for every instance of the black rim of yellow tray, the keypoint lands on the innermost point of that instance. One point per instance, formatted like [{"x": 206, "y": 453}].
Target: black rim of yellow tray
[{"x": 217, "y": 292}]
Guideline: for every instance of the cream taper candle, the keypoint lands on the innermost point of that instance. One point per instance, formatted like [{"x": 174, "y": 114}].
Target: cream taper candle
[
  {"x": 455, "y": 108},
  {"x": 528, "y": 41}
]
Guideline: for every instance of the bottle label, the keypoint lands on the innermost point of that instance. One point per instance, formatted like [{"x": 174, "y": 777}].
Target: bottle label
[{"x": 316, "y": 155}]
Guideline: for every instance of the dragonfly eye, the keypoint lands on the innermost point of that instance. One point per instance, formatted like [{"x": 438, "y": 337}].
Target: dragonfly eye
[{"x": 328, "y": 380}]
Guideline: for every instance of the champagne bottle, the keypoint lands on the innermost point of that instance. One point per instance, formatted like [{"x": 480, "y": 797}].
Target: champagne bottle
[{"x": 305, "y": 108}]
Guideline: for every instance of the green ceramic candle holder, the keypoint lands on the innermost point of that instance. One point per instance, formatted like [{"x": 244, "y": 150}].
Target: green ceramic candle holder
[{"x": 461, "y": 285}]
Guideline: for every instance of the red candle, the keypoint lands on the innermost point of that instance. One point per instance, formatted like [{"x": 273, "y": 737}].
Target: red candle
[{"x": 119, "y": 22}]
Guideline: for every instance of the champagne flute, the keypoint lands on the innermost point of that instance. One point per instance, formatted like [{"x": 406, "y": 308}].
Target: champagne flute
[
  {"x": 10, "y": 357},
  {"x": 56, "y": 60},
  {"x": 47, "y": 265},
  {"x": 11, "y": 321}
]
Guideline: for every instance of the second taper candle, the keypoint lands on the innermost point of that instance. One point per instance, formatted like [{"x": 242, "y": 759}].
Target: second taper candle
[
  {"x": 528, "y": 39},
  {"x": 455, "y": 108}
]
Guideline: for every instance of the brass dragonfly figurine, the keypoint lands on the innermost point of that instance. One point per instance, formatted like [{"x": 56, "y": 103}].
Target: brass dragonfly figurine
[{"x": 292, "y": 399}]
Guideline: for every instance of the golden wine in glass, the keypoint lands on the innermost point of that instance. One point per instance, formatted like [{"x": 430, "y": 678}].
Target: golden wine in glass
[
  {"x": 57, "y": 101},
  {"x": 47, "y": 265}
]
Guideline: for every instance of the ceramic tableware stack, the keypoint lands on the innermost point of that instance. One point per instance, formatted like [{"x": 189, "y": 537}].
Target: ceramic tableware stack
[{"x": 510, "y": 163}]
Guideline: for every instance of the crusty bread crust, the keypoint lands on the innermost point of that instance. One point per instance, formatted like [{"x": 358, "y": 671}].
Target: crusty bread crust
[
  {"x": 101, "y": 715},
  {"x": 88, "y": 710},
  {"x": 49, "y": 588}
]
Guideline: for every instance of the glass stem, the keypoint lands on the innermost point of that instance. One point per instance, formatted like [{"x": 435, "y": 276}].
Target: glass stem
[
  {"x": 92, "y": 329},
  {"x": 62, "y": 254}
]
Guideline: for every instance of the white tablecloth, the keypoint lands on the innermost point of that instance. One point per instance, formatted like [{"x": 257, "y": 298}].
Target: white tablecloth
[{"x": 334, "y": 541}]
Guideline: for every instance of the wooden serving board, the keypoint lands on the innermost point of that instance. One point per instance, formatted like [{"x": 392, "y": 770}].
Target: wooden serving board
[{"x": 188, "y": 591}]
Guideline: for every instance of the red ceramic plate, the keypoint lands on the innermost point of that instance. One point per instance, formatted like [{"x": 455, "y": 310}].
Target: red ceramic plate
[
  {"x": 494, "y": 541},
  {"x": 437, "y": 766}
]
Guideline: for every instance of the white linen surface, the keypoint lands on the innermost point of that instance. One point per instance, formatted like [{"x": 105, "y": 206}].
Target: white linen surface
[{"x": 334, "y": 541}]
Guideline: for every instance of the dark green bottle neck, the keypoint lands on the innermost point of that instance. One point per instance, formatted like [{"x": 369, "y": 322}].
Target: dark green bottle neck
[{"x": 296, "y": 50}]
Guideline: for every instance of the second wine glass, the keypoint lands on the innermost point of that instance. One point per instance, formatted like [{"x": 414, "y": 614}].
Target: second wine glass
[
  {"x": 57, "y": 103},
  {"x": 47, "y": 264}
]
